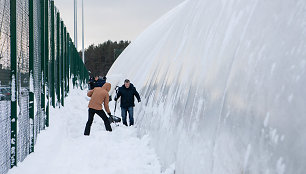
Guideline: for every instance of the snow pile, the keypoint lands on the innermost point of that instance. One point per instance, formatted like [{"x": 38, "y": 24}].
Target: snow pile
[
  {"x": 63, "y": 148},
  {"x": 223, "y": 86}
]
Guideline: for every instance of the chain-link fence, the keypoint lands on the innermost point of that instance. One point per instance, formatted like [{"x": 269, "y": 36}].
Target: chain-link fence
[
  {"x": 37, "y": 61},
  {"x": 5, "y": 86}
]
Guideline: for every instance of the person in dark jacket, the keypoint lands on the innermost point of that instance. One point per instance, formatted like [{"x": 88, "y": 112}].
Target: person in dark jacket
[
  {"x": 127, "y": 93},
  {"x": 100, "y": 81},
  {"x": 91, "y": 83},
  {"x": 97, "y": 82}
]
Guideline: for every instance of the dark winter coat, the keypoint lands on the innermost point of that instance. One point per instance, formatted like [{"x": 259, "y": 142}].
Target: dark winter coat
[
  {"x": 100, "y": 83},
  {"x": 96, "y": 83},
  {"x": 127, "y": 96},
  {"x": 91, "y": 83}
]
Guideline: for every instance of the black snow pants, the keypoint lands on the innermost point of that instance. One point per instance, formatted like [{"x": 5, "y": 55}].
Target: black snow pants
[{"x": 101, "y": 113}]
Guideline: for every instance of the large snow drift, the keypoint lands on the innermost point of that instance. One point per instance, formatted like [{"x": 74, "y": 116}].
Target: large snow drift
[{"x": 223, "y": 86}]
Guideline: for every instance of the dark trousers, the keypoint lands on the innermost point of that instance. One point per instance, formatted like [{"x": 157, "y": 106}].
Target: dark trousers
[
  {"x": 124, "y": 111},
  {"x": 101, "y": 113}
]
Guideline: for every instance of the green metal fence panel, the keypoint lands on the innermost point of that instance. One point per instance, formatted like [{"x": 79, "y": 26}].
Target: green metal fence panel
[
  {"x": 5, "y": 86},
  {"x": 22, "y": 79},
  {"x": 37, "y": 81},
  {"x": 37, "y": 61}
]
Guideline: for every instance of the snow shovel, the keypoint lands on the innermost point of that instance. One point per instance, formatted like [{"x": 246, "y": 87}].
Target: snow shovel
[{"x": 113, "y": 118}]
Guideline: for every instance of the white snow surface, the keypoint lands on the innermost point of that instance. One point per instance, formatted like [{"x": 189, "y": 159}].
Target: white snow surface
[
  {"x": 223, "y": 86},
  {"x": 63, "y": 149}
]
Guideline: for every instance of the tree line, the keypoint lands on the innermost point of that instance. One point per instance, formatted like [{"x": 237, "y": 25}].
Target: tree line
[{"x": 99, "y": 58}]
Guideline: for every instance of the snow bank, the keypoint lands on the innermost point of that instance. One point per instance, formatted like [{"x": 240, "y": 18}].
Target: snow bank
[{"x": 223, "y": 86}]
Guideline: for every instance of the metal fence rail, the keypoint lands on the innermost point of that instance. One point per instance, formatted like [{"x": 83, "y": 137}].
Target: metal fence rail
[{"x": 37, "y": 61}]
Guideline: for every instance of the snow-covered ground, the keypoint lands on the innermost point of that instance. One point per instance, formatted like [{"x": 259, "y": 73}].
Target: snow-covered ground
[
  {"x": 223, "y": 92},
  {"x": 63, "y": 148}
]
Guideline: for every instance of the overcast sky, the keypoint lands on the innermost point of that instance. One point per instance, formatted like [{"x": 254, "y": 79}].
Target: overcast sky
[{"x": 113, "y": 19}]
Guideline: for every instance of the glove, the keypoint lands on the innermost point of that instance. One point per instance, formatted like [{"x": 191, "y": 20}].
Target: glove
[{"x": 139, "y": 100}]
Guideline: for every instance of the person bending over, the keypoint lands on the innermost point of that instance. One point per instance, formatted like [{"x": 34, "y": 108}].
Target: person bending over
[{"x": 99, "y": 96}]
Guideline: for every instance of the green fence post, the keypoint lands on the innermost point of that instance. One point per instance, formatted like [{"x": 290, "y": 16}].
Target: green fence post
[
  {"x": 75, "y": 68},
  {"x": 76, "y": 64},
  {"x": 82, "y": 73},
  {"x": 62, "y": 64},
  {"x": 46, "y": 32},
  {"x": 72, "y": 65},
  {"x": 69, "y": 62},
  {"x": 66, "y": 57},
  {"x": 13, "y": 83},
  {"x": 42, "y": 46},
  {"x": 64, "y": 61},
  {"x": 52, "y": 86},
  {"x": 58, "y": 88},
  {"x": 31, "y": 69}
]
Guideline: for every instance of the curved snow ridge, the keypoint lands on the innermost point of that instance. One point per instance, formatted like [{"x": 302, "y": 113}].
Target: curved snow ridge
[
  {"x": 222, "y": 86},
  {"x": 63, "y": 148}
]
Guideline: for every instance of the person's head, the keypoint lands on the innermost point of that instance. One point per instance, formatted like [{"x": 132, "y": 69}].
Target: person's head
[
  {"x": 127, "y": 83},
  {"x": 96, "y": 78},
  {"x": 107, "y": 86}
]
